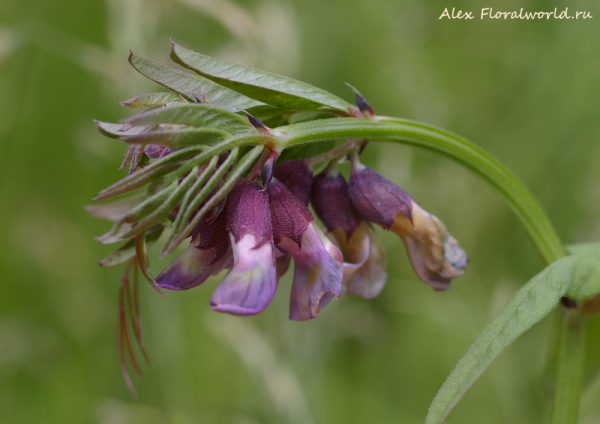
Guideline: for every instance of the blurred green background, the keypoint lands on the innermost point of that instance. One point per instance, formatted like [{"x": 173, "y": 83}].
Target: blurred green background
[{"x": 526, "y": 91}]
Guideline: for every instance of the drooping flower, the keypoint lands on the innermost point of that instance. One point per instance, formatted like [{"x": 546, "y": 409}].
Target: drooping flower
[
  {"x": 208, "y": 254},
  {"x": 363, "y": 258},
  {"x": 250, "y": 285},
  {"x": 317, "y": 275},
  {"x": 434, "y": 254}
]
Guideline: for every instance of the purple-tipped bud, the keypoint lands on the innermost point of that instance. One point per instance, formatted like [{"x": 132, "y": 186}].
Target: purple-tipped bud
[
  {"x": 154, "y": 151},
  {"x": 362, "y": 103},
  {"x": 297, "y": 177},
  {"x": 208, "y": 254},
  {"x": 317, "y": 276},
  {"x": 435, "y": 256},
  {"x": 332, "y": 204},
  {"x": 377, "y": 199},
  {"x": 250, "y": 285},
  {"x": 256, "y": 123}
]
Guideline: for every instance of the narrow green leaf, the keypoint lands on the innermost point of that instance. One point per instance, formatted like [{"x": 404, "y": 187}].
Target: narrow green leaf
[
  {"x": 152, "y": 100},
  {"x": 196, "y": 115},
  {"x": 189, "y": 84},
  {"x": 113, "y": 211},
  {"x": 124, "y": 225},
  {"x": 265, "y": 86},
  {"x": 162, "y": 212},
  {"x": 155, "y": 170},
  {"x": 127, "y": 251},
  {"x": 232, "y": 178},
  {"x": 576, "y": 276},
  {"x": 117, "y": 131},
  {"x": 178, "y": 138},
  {"x": 194, "y": 200}
]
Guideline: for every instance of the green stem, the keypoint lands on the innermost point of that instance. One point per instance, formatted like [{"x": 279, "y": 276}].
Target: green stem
[
  {"x": 519, "y": 198},
  {"x": 571, "y": 360}
]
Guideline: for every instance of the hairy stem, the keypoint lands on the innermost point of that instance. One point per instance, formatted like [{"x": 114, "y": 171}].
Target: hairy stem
[{"x": 527, "y": 209}]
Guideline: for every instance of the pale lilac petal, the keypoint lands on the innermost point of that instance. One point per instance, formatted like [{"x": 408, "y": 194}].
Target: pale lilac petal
[
  {"x": 317, "y": 278},
  {"x": 434, "y": 254},
  {"x": 250, "y": 285},
  {"x": 368, "y": 280},
  {"x": 191, "y": 268}
]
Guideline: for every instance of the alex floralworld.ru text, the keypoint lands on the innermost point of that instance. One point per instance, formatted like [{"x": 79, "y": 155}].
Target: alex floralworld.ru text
[{"x": 490, "y": 13}]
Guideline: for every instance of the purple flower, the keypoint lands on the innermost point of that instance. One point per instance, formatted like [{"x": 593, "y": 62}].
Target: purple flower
[
  {"x": 250, "y": 285},
  {"x": 364, "y": 260},
  {"x": 208, "y": 254},
  {"x": 317, "y": 275},
  {"x": 434, "y": 254},
  {"x": 261, "y": 229}
]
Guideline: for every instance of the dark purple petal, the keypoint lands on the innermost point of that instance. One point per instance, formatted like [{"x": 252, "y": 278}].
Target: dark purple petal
[
  {"x": 191, "y": 268},
  {"x": 250, "y": 285},
  {"x": 211, "y": 233},
  {"x": 332, "y": 204},
  {"x": 290, "y": 218},
  {"x": 377, "y": 199},
  {"x": 317, "y": 276},
  {"x": 283, "y": 264},
  {"x": 297, "y": 177},
  {"x": 248, "y": 213}
]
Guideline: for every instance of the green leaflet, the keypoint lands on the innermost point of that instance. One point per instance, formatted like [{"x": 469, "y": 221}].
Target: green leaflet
[
  {"x": 232, "y": 178},
  {"x": 114, "y": 211},
  {"x": 127, "y": 251},
  {"x": 124, "y": 224},
  {"x": 576, "y": 276},
  {"x": 265, "y": 86},
  {"x": 151, "y": 100},
  {"x": 198, "y": 194},
  {"x": 152, "y": 172},
  {"x": 161, "y": 213},
  {"x": 196, "y": 115},
  {"x": 174, "y": 138},
  {"x": 189, "y": 84}
]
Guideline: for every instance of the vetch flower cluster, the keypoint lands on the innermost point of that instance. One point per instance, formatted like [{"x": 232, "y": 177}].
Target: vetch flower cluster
[{"x": 210, "y": 156}]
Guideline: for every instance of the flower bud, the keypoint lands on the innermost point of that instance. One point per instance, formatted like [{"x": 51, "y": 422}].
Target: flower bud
[
  {"x": 377, "y": 199},
  {"x": 332, "y": 204},
  {"x": 297, "y": 177}
]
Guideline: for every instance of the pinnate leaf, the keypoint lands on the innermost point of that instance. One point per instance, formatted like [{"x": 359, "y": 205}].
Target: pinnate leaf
[
  {"x": 576, "y": 276},
  {"x": 196, "y": 115},
  {"x": 189, "y": 85},
  {"x": 265, "y": 86}
]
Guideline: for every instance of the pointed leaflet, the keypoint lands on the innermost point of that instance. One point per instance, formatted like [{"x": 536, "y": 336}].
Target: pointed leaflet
[
  {"x": 189, "y": 84},
  {"x": 127, "y": 251},
  {"x": 576, "y": 276},
  {"x": 163, "y": 166},
  {"x": 174, "y": 138},
  {"x": 265, "y": 86},
  {"x": 232, "y": 178},
  {"x": 152, "y": 99},
  {"x": 196, "y": 115}
]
